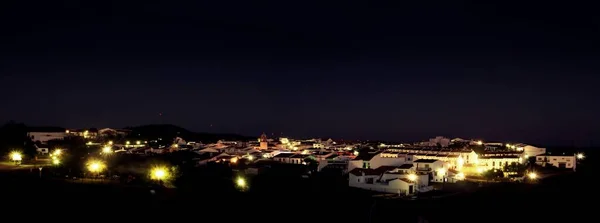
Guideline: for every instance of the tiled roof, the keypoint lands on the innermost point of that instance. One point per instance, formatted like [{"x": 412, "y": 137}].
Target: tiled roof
[
  {"x": 366, "y": 155},
  {"x": 284, "y": 155},
  {"x": 383, "y": 169},
  {"x": 425, "y": 161},
  {"x": 405, "y": 166}
]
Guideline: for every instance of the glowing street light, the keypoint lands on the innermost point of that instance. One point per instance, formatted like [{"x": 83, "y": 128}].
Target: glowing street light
[
  {"x": 441, "y": 172},
  {"x": 532, "y": 175},
  {"x": 412, "y": 177},
  {"x": 159, "y": 173},
  {"x": 55, "y": 161},
  {"x": 95, "y": 166},
  {"x": 479, "y": 170},
  {"x": 16, "y": 156},
  {"x": 57, "y": 152},
  {"x": 110, "y": 142},
  {"x": 127, "y": 143},
  {"x": 107, "y": 150},
  {"x": 250, "y": 157},
  {"x": 138, "y": 142},
  {"x": 479, "y": 142},
  {"x": 580, "y": 156},
  {"x": 241, "y": 182}
]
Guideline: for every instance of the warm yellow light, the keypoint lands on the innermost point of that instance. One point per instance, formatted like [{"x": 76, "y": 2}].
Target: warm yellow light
[
  {"x": 55, "y": 161},
  {"x": 507, "y": 145},
  {"x": 127, "y": 143},
  {"x": 137, "y": 142},
  {"x": 441, "y": 171},
  {"x": 479, "y": 142},
  {"x": 95, "y": 166},
  {"x": 460, "y": 176},
  {"x": 67, "y": 131},
  {"x": 89, "y": 143},
  {"x": 240, "y": 182},
  {"x": 580, "y": 156},
  {"x": 532, "y": 175},
  {"x": 412, "y": 177},
  {"x": 57, "y": 152},
  {"x": 479, "y": 170},
  {"x": 233, "y": 160},
  {"x": 16, "y": 156},
  {"x": 110, "y": 142},
  {"x": 250, "y": 157},
  {"x": 86, "y": 132},
  {"x": 107, "y": 149},
  {"x": 159, "y": 173},
  {"x": 460, "y": 162}
]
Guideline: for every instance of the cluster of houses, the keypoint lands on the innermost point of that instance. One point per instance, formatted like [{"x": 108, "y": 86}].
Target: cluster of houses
[{"x": 396, "y": 168}]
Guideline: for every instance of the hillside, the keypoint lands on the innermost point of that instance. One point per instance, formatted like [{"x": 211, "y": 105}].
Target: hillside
[{"x": 171, "y": 131}]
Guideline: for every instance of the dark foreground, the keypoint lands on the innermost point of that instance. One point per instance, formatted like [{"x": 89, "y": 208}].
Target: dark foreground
[{"x": 282, "y": 200}]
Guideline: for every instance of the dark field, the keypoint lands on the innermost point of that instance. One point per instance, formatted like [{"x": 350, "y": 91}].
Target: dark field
[{"x": 293, "y": 199}]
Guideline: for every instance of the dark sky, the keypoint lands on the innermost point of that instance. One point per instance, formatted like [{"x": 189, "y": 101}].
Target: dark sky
[{"x": 346, "y": 69}]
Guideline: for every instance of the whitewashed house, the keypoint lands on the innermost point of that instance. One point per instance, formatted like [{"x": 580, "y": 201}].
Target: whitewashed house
[
  {"x": 374, "y": 160},
  {"x": 389, "y": 179},
  {"x": 562, "y": 161}
]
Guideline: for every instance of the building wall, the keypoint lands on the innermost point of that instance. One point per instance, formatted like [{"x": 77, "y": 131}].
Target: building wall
[
  {"x": 394, "y": 186},
  {"x": 533, "y": 151},
  {"x": 497, "y": 163},
  {"x": 46, "y": 136},
  {"x": 379, "y": 160},
  {"x": 568, "y": 162}
]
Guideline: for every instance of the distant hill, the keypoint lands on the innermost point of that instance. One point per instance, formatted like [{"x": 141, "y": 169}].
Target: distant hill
[{"x": 168, "y": 131}]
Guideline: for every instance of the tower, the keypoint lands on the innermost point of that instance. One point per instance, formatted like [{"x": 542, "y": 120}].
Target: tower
[{"x": 263, "y": 141}]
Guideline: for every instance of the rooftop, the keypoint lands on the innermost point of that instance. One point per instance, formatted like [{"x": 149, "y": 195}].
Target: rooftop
[{"x": 425, "y": 161}]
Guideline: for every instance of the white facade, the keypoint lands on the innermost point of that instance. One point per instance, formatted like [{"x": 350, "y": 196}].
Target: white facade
[
  {"x": 564, "y": 161},
  {"x": 533, "y": 151},
  {"x": 46, "y": 136},
  {"x": 380, "y": 159},
  {"x": 388, "y": 182}
]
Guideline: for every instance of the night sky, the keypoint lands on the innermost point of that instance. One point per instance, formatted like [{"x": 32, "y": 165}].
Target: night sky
[{"x": 344, "y": 69}]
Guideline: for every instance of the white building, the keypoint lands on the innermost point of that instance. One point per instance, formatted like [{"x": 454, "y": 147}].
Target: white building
[
  {"x": 559, "y": 161},
  {"x": 44, "y": 137},
  {"x": 389, "y": 179},
  {"x": 531, "y": 151},
  {"x": 291, "y": 158},
  {"x": 374, "y": 160}
]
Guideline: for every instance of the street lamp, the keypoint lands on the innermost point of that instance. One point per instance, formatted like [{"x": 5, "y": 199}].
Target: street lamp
[
  {"x": 107, "y": 150},
  {"x": 580, "y": 156},
  {"x": 241, "y": 182},
  {"x": 16, "y": 157},
  {"x": 532, "y": 175},
  {"x": 57, "y": 152},
  {"x": 413, "y": 177},
  {"x": 95, "y": 166},
  {"x": 55, "y": 160},
  {"x": 159, "y": 173}
]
